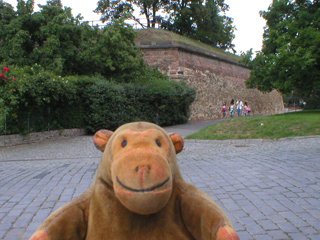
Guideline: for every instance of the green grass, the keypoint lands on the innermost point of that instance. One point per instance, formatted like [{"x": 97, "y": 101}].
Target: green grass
[
  {"x": 304, "y": 123},
  {"x": 151, "y": 34}
]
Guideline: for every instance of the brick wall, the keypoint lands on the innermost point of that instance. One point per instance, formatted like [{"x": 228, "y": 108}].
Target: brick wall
[{"x": 216, "y": 79}]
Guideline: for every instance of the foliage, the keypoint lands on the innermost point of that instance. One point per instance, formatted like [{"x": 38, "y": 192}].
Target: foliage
[
  {"x": 113, "y": 53},
  {"x": 290, "y": 57},
  {"x": 304, "y": 123},
  {"x": 62, "y": 44},
  {"x": 36, "y": 100},
  {"x": 116, "y": 9},
  {"x": 80, "y": 76},
  {"x": 6, "y": 13},
  {"x": 246, "y": 58},
  {"x": 33, "y": 99},
  {"x": 313, "y": 101},
  {"x": 110, "y": 104},
  {"x": 201, "y": 20},
  {"x": 197, "y": 19}
]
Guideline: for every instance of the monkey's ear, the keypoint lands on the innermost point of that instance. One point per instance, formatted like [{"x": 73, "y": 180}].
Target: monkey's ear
[
  {"x": 177, "y": 141},
  {"x": 101, "y": 139}
]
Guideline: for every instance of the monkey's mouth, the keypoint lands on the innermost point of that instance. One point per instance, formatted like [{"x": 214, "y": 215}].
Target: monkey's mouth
[{"x": 145, "y": 189}]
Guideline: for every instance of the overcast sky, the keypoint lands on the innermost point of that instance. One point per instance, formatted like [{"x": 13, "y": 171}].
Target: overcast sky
[
  {"x": 245, "y": 13},
  {"x": 248, "y": 23}
]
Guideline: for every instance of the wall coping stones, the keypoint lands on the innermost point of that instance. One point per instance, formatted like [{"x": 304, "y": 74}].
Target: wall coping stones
[
  {"x": 168, "y": 44},
  {"x": 216, "y": 75}
]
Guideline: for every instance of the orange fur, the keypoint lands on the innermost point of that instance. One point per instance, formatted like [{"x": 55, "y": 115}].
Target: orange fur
[
  {"x": 138, "y": 193},
  {"x": 40, "y": 235},
  {"x": 227, "y": 233}
]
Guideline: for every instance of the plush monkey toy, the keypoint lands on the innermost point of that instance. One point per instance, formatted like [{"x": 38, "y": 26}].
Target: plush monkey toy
[{"x": 138, "y": 193}]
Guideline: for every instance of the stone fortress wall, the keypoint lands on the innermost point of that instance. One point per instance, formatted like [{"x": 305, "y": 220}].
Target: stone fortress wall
[{"x": 217, "y": 79}]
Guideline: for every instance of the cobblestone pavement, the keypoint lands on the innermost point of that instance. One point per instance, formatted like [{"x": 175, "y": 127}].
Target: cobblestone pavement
[{"x": 269, "y": 189}]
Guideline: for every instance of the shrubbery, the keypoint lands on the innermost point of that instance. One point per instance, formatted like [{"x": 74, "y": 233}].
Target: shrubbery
[
  {"x": 110, "y": 104},
  {"x": 64, "y": 45},
  {"x": 313, "y": 102},
  {"x": 89, "y": 77},
  {"x": 35, "y": 100},
  {"x": 32, "y": 99}
]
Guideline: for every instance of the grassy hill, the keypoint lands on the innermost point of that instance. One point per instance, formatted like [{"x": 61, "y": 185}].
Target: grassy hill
[
  {"x": 159, "y": 35},
  {"x": 304, "y": 123}
]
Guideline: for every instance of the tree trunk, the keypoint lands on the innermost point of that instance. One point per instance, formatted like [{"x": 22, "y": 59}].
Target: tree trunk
[{"x": 154, "y": 15}]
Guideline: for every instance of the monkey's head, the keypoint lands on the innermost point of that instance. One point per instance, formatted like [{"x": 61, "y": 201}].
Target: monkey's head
[{"x": 139, "y": 161}]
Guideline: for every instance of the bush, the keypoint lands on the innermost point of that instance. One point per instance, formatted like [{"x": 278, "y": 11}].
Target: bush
[
  {"x": 313, "y": 102},
  {"x": 59, "y": 42},
  {"x": 162, "y": 102},
  {"x": 32, "y": 99},
  {"x": 37, "y": 100},
  {"x": 116, "y": 85}
]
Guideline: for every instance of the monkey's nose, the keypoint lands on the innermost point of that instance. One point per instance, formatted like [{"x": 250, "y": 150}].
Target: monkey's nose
[
  {"x": 143, "y": 168},
  {"x": 143, "y": 172}
]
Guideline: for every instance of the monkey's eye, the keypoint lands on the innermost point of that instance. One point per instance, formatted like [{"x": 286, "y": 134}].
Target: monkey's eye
[
  {"x": 158, "y": 142},
  {"x": 124, "y": 143}
]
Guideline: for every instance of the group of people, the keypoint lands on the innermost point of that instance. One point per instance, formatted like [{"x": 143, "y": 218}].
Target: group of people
[{"x": 238, "y": 107}]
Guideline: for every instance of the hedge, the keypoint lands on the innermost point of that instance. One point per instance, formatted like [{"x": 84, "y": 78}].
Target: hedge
[
  {"x": 164, "y": 103},
  {"x": 32, "y": 99}
]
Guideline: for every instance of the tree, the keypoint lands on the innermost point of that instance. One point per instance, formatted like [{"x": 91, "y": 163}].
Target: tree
[
  {"x": 7, "y": 14},
  {"x": 116, "y": 9},
  {"x": 47, "y": 37},
  {"x": 290, "y": 57},
  {"x": 59, "y": 42},
  {"x": 16, "y": 41},
  {"x": 24, "y": 8},
  {"x": 198, "y": 19},
  {"x": 111, "y": 52},
  {"x": 201, "y": 20},
  {"x": 246, "y": 57}
]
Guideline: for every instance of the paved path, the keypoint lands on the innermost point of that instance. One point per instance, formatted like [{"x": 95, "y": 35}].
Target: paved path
[
  {"x": 269, "y": 189},
  {"x": 187, "y": 129}
]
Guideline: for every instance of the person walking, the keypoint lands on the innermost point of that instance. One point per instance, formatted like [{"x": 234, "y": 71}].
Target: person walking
[
  {"x": 245, "y": 109},
  {"x": 224, "y": 109},
  {"x": 248, "y": 110},
  {"x": 232, "y": 108},
  {"x": 239, "y": 105}
]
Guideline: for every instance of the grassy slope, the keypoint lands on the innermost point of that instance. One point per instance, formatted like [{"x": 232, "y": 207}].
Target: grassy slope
[
  {"x": 294, "y": 124},
  {"x": 157, "y": 35}
]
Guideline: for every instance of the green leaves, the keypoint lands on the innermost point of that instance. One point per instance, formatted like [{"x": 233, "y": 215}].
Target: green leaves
[
  {"x": 163, "y": 102},
  {"x": 201, "y": 20},
  {"x": 111, "y": 80},
  {"x": 57, "y": 41},
  {"x": 38, "y": 100},
  {"x": 290, "y": 57},
  {"x": 197, "y": 19}
]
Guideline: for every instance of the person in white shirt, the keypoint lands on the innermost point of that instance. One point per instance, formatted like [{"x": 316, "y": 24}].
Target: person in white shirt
[
  {"x": 239, "y": 107},
  {"x": 232, "y": 108}
]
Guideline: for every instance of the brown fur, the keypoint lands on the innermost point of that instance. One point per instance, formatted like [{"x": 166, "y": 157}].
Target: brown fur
[{"x": 138, "y": 193}]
